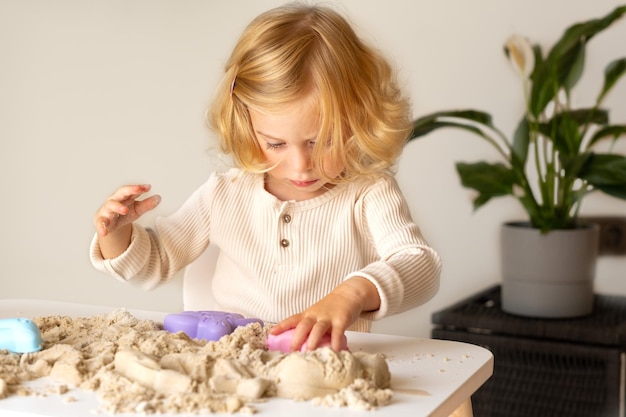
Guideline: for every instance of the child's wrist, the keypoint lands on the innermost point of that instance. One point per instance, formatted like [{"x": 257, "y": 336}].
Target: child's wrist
[{"x": 363, "y": 292}]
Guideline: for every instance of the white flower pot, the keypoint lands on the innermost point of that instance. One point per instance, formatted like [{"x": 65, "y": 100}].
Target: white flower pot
[{"x": 548, "y": 275}]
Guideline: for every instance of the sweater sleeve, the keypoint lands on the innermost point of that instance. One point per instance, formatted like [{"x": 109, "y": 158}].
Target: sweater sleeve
[
  {"x": 407, "y": 271},
  {"x": 126, "y": 266},
  {"x": 156, "y": 253}
]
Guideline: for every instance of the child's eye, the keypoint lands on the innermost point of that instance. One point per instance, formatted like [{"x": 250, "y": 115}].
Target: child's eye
[{"x": 271, "y": 146}]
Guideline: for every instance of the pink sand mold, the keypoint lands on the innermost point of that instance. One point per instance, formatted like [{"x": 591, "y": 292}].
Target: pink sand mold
[
  {"x": 208, "y": 325},
  {"x": 282, "y": 342}
]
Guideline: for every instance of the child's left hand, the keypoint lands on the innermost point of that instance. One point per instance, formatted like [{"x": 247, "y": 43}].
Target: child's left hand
[{"x": 332, "y": 315}]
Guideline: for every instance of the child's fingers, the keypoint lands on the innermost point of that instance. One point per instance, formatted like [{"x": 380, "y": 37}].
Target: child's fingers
[
  {"x": 317, "y": 332},
  {"x": 286, "y": 324},
  {"x": 112, "y": 207},
  {"x": 122, "y": 208},
  {"x": 301, "y": 334},
  {"x": 130, "y": 192},
  {"x": 142, "y": 207},
  {"x": 105, "y": 220},
  {"x": 300, "y": 330},
  {"x": 337, "y": 339},
  {"x": 102, "y": 226}
]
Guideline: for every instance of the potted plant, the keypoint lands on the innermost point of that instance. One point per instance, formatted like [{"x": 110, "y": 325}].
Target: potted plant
[{"x": 550, "y": 164}]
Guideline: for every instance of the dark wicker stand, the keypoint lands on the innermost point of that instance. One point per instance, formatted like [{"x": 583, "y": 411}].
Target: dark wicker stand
[{"x": 544, "y": 367}]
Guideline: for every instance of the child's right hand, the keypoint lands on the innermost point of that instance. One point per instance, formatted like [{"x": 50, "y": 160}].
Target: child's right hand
[{"x": 114, "y": 218}]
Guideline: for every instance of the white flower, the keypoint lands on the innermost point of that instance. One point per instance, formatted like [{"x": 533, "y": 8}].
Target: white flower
[{"x": 520, "y": 53}]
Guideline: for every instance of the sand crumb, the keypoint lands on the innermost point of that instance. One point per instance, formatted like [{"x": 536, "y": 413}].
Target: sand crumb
[{"x": 134, "y": 366}]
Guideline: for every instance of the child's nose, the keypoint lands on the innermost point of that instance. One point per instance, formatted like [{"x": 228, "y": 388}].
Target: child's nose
[{"x": 301, "y": 160}]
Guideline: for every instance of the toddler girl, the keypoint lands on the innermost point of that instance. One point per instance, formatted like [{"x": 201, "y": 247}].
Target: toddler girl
[{"x": 314, "y": 233}]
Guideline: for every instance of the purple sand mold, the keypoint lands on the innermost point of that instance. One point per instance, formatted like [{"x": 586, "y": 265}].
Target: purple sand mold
[{"x": 208, "y": 325}]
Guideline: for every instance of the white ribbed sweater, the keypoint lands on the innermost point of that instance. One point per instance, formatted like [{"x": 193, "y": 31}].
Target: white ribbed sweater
[{"x": 279, "y": 257}]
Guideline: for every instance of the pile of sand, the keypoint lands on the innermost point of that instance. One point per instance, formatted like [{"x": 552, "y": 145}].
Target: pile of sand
[{"x": 136, "y": 367}]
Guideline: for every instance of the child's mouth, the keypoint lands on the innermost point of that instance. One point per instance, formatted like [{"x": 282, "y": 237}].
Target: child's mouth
[{"x": 303, "y": 184}]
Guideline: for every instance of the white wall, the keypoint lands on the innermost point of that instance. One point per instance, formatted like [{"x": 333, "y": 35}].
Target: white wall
[{"x": 100, "y": 93}]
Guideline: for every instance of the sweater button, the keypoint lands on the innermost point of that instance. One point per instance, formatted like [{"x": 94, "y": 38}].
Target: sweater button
[
  {"x": 286, "y": 218},
  {"x": 284, "y": 243}
]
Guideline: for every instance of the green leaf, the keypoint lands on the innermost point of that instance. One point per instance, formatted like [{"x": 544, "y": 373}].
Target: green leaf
[
  {"x": 565, "y": 60},
  {"x": 586, "y": 116},
  {"x": 574, "y": 164},
  {"x": 566, "y": 128},
  {"x": 544, "y": 87},
  {"x": 433, "y": 121},
  {"x": 425, "y": 125},
  {"x": 521, "y": 140},
  {"x": 609, "y": 169},
  {"x": 612, "y": 73},
  {"x": 476, "y": 116},
  {"x": 612, "y": 132},
  {"x": 583, "y": 32},
  {"x": 618, "y": 191},
  {"x": 567, "y": 137},
  {"x": 571, "y": 67},
  {"x": 606, "y": 172},
  {"x": 538, "y": 59},
  {"x": 490, "y": 180},
  {"x": 470, "y": 120}
]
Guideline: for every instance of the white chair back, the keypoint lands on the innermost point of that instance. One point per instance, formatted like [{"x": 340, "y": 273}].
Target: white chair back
[{"x": 197, "y": 294}]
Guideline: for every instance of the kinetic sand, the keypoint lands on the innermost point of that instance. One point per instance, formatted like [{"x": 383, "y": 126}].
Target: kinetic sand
[{"x": 136, "y": 367}]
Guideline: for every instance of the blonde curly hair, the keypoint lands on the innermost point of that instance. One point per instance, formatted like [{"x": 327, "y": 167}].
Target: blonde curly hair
[{"x": 295, "y": 50}]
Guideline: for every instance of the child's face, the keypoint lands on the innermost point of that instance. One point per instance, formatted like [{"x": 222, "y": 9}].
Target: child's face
[{"x": 287, "y": 139}]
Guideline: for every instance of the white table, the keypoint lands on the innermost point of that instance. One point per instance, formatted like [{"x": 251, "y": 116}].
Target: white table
[{"x": 429, "y": 377}]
